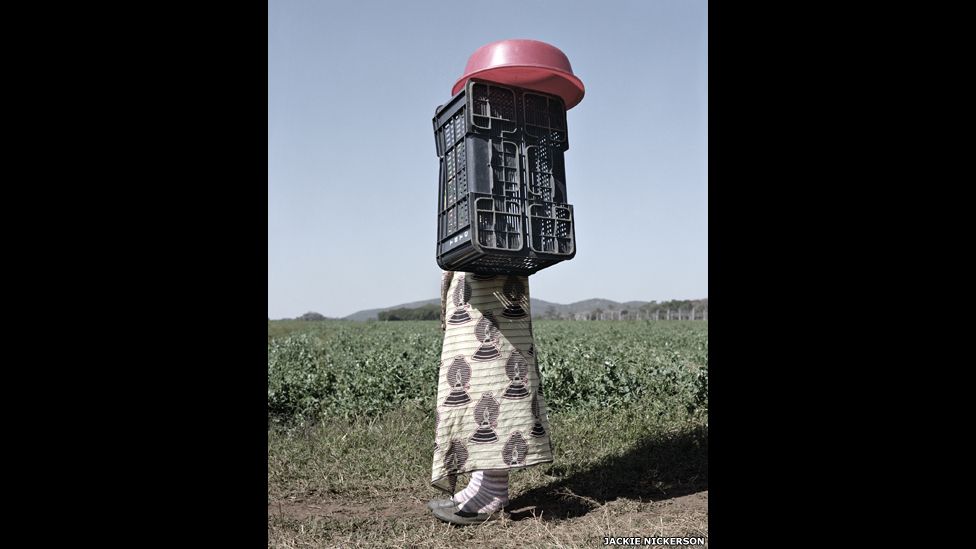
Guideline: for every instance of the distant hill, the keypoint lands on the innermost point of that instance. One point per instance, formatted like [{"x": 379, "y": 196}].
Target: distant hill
[
  {"x": 371, "y": 314},
  {"x": 541, "y": 308},
  {"x": 587, "y": 306}
]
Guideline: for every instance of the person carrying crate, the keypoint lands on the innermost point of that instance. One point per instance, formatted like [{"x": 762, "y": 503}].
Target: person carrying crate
[{"x": 502, "y": 216}]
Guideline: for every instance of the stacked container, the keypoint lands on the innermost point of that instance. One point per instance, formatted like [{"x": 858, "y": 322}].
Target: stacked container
[{"x": 502, "y": 205}]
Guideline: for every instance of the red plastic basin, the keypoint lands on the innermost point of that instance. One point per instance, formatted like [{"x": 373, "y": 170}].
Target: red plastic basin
[{"x": 525, "y": 63}]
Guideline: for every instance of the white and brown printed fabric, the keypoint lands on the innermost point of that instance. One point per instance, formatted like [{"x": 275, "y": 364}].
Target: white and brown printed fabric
[{"x": 491, "y": 411}]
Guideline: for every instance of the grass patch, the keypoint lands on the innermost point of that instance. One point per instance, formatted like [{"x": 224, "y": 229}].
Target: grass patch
[
  {"x": 616, "y": 472},
  {"x": 351, "y": 435}
]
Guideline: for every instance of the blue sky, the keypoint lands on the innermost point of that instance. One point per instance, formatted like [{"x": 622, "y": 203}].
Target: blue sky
[{"x": 352, "y": 170}]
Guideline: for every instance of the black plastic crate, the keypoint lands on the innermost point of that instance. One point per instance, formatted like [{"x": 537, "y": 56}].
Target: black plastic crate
[
  {"x": 551, "y": 228},
  {"x": 502, "y": 191}
]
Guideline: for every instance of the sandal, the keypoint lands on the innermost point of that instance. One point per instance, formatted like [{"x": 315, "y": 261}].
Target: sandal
[
  {"x": 435, "y": 503},
  {"x": 447, "y": 514}
]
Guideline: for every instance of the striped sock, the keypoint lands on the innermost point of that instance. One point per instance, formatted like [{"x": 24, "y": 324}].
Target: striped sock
[{"x": 486, "y": 493}]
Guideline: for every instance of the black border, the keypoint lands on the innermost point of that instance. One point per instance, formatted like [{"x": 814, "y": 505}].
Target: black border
[{"x": 179, "y": 300}]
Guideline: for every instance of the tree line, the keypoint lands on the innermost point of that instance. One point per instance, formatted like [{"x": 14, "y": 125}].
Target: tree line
[
  {"x": 611, "y": 312},
  {"x": 645, "y": 311},
  {"x": 427, "y": 312}
]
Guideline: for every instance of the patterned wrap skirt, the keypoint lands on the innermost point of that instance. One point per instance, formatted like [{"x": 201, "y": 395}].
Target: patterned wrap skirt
[{"x": 491, "y": 412}]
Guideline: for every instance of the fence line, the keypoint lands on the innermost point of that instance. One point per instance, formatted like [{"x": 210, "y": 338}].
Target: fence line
[{"x": 694, "y": 313}]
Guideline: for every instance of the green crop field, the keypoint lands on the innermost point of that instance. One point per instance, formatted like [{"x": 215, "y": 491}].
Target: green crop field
[{"x": 351, "y": 427}]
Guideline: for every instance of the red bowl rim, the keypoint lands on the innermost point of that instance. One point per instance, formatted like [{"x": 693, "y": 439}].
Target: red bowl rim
[{"x": 573, "y": 79}]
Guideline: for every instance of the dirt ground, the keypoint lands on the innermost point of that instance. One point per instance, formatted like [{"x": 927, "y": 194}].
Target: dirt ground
[{"x": 559, "y": 519}]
